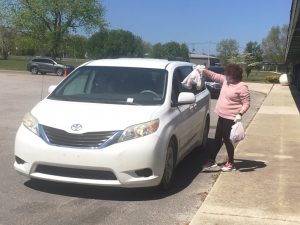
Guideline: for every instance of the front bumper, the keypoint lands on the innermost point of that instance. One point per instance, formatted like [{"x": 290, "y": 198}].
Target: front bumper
[{"x": 135, "y": 163}]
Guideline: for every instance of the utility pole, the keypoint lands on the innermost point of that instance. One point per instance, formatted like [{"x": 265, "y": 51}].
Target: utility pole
[
  {"x": 207, "y": 43},
  {"x": 208, "y": 58}
]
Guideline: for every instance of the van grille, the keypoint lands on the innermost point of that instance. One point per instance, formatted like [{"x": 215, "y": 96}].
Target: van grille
[{"x": 85, "y": 140}]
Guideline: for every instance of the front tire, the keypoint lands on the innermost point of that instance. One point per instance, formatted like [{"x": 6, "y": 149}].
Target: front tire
[
  {"x": 59, "y": 72},
  {"x": 170, "y": 164}
]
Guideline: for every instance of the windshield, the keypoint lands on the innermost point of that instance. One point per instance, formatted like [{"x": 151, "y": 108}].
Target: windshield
[{"x": 114, "y": 85}]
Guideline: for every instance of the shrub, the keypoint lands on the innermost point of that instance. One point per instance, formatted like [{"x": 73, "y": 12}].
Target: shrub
[{"x": 273, "y": 78}]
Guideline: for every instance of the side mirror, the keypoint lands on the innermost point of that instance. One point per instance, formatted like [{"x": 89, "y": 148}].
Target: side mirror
[
  {"x": 51, "y": 88},
  {"x": 186, "y": 98}
]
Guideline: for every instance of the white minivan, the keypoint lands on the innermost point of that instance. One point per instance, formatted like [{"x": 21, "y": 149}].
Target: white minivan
[{"x": 114, "y": 122}]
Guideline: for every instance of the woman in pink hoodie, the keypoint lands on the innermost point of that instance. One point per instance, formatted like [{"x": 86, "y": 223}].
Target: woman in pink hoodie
[{"x": 233, "y": 102}]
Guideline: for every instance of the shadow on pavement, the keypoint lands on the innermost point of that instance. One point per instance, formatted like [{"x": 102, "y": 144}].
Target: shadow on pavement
[
  {"x": 185, "y": 173},
  {"x": 248, "y": 165}
]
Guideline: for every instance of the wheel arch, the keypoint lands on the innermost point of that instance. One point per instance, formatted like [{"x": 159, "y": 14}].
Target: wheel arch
[
  {"x": 34, "y": 66},
  {"x": 59, "y": 69}
]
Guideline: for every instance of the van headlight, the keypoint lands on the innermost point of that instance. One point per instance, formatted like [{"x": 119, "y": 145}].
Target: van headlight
[
  {"x": 139, "y": 130},
  {"x": 31, "y": 123}
]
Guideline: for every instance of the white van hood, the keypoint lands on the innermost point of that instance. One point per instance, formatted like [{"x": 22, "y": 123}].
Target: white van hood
[{"x": 91, "y": 116}]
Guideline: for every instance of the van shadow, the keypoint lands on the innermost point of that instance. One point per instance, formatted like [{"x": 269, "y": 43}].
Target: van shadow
[
  {"x": 243, "y": 165},
  {"x": 185, "y": 173}
]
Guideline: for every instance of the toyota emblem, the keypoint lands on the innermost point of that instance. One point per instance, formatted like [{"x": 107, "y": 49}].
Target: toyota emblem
[{"x": 76, "y": 127}]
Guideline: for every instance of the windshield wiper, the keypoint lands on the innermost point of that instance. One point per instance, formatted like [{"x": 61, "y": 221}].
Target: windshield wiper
[
  {"x": 63, "y": 98},
  {"x": 91, "y": 99},
  {"x": 125, "y": 102}
]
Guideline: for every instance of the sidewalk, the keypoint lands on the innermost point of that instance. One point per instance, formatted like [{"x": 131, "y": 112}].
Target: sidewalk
[{"x": 265, "y": 190}]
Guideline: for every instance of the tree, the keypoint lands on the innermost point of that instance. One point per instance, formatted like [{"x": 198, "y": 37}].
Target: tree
[
  {"x": 115, "y": 43},
  {"x": 247, "y": 61},
  {"x": 170, "y": 50},
  {"x": 252, "y": 57},
  {"x": 7, "y": 36},
  {"x": 158, "y": 51},
  {"x": 274, "y": 44},
  {"x": 75, "y": 46},
  {"x": 147, "y": 48},
  {"x": 227, "y": 49},
  {"x": 25, "y": 45},
  {"x": 7, "y": 32},
  {"x": 52, "y": 20},
  {"x": 96, "y": 44},
  {"x": 255, "y": 50}
]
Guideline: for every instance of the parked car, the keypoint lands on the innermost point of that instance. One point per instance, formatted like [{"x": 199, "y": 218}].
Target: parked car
[
  {"x": 213, "y": 86},
  {"x": 45, "y": 65},
  {"x": 114, "y": 122}
]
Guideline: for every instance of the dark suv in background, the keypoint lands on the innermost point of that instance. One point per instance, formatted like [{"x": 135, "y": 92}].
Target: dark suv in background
[
  {"x": 45, "y": 65},
  {"x": 213, "y": 86}
]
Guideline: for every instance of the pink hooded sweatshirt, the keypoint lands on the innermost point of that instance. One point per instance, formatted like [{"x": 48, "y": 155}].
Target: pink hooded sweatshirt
[{"x": 234, "y": 97}]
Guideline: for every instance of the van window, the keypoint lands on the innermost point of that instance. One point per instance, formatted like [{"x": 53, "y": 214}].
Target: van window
[{"x": 184, "y": 72}]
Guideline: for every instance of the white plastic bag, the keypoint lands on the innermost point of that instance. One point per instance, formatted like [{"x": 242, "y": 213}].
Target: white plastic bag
[
  {"x": 195, "y": 77},
  {"x": 237, "y": 132}
]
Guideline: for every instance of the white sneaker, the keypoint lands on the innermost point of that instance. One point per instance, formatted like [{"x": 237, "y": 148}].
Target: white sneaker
[{"x": 210, "y": 164}]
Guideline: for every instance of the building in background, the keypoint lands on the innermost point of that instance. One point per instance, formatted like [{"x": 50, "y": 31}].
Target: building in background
[{"x": 202, "y": 59}]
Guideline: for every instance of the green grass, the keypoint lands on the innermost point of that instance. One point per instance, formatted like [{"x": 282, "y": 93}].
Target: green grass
[
  {"x": 20, "y": 62},
  {"x": 14, "y": 63},
  {"x": 260, "y": 76}
]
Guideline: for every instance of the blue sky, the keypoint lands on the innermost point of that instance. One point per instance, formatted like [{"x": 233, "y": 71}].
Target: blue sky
[{"x": 198, "y": 23}]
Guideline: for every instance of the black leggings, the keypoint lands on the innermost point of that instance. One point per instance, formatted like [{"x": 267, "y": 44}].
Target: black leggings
[{"x": 223, "y": 136}]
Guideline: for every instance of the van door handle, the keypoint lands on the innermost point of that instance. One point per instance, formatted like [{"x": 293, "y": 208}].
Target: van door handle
[
  {"x": 192, "y": 108},
  {"x": 195, "y": 106}
]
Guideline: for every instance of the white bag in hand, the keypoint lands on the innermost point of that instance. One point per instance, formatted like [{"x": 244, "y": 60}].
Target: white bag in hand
[
  {"x": 237, "y": 132},
  {"x": 195, "y": 77}
]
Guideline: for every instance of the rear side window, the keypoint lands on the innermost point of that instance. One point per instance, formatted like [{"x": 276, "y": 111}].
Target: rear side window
[{"x": 49, "y": 61}]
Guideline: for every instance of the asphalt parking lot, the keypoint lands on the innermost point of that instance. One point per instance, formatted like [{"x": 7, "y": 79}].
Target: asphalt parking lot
[{"x": 32, "y": 202}]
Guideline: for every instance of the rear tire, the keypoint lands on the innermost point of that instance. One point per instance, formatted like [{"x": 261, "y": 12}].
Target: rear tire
[
  {"x": 170, "y": 164},
  {"x": 34, "y": 70}
]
